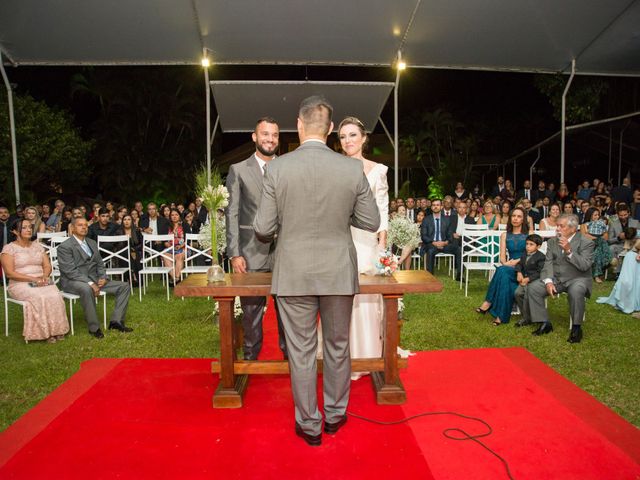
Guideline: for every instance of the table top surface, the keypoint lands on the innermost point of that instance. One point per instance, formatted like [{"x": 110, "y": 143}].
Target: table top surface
[{"x": 259, "y": 284}]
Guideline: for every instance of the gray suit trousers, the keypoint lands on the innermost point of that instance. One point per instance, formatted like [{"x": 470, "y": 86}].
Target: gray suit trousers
[
  {"x": 252, "y": 315},
  {"x": 88, "y": 302},
  {"x": 535, "y": 310},
  {"x": 299, "y": 317}
]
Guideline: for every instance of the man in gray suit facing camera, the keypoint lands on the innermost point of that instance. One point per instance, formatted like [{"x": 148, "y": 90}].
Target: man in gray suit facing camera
[
  {"x": 82, "y": 272},
  {"x": 315, "y": 268},
  {"x": 247, "y": 253}
]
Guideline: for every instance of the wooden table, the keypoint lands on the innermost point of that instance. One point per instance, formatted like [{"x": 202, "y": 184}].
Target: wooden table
[{"x": 234, "y": 373}]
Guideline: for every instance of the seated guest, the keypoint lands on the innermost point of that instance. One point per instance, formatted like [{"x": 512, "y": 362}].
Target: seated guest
[
  {"x": 437, "y": 235},
  {"x": 129, "y": 229},
  {"x": 500, "y": 295},
  {"x": 135, "y": 217},
  {"x": 165, "y": 212},
  {"x": 635, "y": 206},
  {"x": 66, "y": 220},
  {"x": 411, "y": 209},
  {"x": 528, "y": 270},
  {"x": 82, "y": 272},
  {"x": 103, "y": 227},
  {"x": 508, "y": 193},
  {"x": 153, "y": 223},
  {"x": 550, "y": 222},
  {"x": 200, "y": 211},
  {"x": 447, "y": 206},
  {"x": 111, "y": 209},
  {"x": 488, "y": 217},
  {"x": 420, "y": 217},
  {"x": 6, "y": 235},
  {"x": 190, "y": 224},
  {"x": 505, "y": 209},
  {"x": 625, "y": 295},
  {"x": 595, "y": 229},
  {"x": 31, "y": 214},
  {"x": 55, "y": 220},
  {"x": 563, "y": 195},
  {"x": 584, "y": 192},
  {"x": 616, "y": 230},
  {"x": 27, "y": 266},
  {"x": 46, "y": 212},
  {"x": 474, "y": 210},
  {"x": 120, "y": 213},
  {"x": 137, "y": 206},
  {"x": 459, "y": 192},
  {"x": 568, "y": 208},
  {"x": 93, "y": 216},
  {"x": 525, "y": 191},
  {"x": 567, "y": 268},
  {"x": 178, "y": 246}
]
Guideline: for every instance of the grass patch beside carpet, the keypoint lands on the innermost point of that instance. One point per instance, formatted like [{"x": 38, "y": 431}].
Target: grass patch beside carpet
[{"x": 605, "y": 364}]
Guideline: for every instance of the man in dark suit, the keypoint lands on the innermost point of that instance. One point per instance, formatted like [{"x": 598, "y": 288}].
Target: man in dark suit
[
  {"x": 437, "y": 235},
  {"x": 83, "y": 273},
  {"x": 201, "y": 211},
  {"x": 525, "y": 191},
  {"x": 623, "y": 193},
  {"x": 412, "y": 211},
  {"x": 497, "y": 189},
  {"x": 5, "y": 228},
  {"x": 567, "y": 268},
  {"x": 247, "y": 253},
  {"x": 541, "y": 192}
]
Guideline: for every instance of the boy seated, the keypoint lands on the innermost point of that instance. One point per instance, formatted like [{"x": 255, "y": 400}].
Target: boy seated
[{"x": 528, "y": 270}]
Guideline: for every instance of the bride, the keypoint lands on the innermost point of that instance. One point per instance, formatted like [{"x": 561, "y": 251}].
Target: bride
[{"x": 367, "y": 317}]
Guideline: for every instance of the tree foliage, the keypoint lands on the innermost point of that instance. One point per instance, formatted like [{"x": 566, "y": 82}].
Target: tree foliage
[
  {"x": 583, "y": 99},
  {"x": 444, "y": 147},
  {"x": 148, "y": 132},
  {"x": 52, "y": 156}
]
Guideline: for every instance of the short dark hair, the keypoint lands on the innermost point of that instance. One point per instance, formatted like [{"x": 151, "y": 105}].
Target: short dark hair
[
  {"x": 16, "y": 225},
  {"x": 103, "y": 211},
  {"x": 630, "y": 233},
  {"x": 622, "y": 207},
  {"x": 436, "y": 200},
  {"x": 265, "y": 119},
  {"x": 535, "y": 238}
]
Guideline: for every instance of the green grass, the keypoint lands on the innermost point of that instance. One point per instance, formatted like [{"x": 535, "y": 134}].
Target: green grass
[{"x": 605, "y": 364}]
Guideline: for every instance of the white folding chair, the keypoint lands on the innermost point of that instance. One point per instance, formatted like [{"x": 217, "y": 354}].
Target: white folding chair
[
  {"x": 7, "y": 300},
  {"x": 502, "y": 227},
  {"x": 479, "y": 244},
  {"x": 150, "y": 255},
  {"x": 110, "y": 256},
  {"x": 46, "y": 238},
  {"x": 545, "y": 234},
  {"x": 450, "y": 259},
  {"x": 72, "y": 297},
  {"x": 416, "y": 260},
  {"x": 477, "y": 227},
  {"x": 193, "y": 250}
]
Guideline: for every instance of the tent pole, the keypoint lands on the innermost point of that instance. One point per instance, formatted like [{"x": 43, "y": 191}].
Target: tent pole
[
  {"x": 531, "y": 169},
  {"x": 395, "y": 132},
  {"x": 215, "y": 129},
  {"x": 12, "y": 126},
  {"x": 610, "y": 151},
  {"x": 208, "y": 95},
  {"x": 386, "y": 130},
  {"x": 564, "y": 120}
]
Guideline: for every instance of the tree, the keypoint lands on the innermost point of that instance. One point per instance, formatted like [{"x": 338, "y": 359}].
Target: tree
[
  {"x": 583, "y": 99},
  {"x": 52, "y": 157}
]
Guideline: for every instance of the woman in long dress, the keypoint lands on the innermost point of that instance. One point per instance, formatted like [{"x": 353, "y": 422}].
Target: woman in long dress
[
  {"x": 27, "y": 266},
  {"x": 367, "y": 317},
  {"x": 500, "y": 295},
  {"x": 625, "y": 295}
]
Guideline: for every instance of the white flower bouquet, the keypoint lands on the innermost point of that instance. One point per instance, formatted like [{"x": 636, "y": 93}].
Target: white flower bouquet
[{"x": 403, "y": 232}]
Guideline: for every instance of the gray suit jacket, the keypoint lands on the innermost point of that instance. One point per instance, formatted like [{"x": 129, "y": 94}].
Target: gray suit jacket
[
  {"x": 615, "y": 229},
  {"x": 315, "y": 254},
  {"x": 244, "y": 183},
  {"x": 563, "y": 269},
  {"x": 75, "y": 265}
]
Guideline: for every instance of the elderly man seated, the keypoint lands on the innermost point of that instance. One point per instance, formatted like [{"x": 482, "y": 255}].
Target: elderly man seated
[
  {"x": 567, "y": 268},
  {"x": 82, "y": 272}
]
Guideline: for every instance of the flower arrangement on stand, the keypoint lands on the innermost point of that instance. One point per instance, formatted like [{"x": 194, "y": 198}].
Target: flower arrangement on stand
[
  {"x": 214, "y": 196},
  {"x": 403, "y": 232}
]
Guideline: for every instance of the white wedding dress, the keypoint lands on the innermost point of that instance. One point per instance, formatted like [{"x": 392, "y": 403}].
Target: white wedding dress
[{"x": 367, "y": 317}]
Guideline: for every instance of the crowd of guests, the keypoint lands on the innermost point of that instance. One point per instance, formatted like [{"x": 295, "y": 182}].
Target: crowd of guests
[
  {"x": 605, "y": 217},
  {"x": 27, "y": 266}
]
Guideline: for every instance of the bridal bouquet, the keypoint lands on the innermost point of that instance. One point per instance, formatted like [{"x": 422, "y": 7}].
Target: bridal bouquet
[
  {"x": 387, "y": 263},
  {"x": 403, "y": 232}
]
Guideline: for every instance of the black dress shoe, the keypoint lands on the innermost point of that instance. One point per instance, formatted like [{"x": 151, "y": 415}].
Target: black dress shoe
[
  {"x": 523, "y": 323},
  {"x": 313, "y": 440},
  {"x": 119, "y": 327},
  {"x": 334, "y": 427},
  {"x": 575, "y": 337},
  {"x": 98, "y": 334},
  {"x": 543, "y": 329}
]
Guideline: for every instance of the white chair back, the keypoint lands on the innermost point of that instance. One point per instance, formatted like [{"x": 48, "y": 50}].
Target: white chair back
[
  {"x": 45, "y": 238},
  {"x": 119, "y": 253},
  {"x": 502, "y": 227},
  {"x": 151, "y": 255},
  {"x": 53, "y": 256},
  {"x": 478, "y": 227},
  {"x": 480, "y": 251},
  {"x": 193, "y": 251}
]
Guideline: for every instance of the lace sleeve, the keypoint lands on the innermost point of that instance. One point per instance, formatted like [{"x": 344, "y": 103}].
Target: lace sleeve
[{"x": 382, "y": 198}]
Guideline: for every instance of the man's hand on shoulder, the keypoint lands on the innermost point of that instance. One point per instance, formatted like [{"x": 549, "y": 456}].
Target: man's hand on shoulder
[{"x": 239, "y": 264}]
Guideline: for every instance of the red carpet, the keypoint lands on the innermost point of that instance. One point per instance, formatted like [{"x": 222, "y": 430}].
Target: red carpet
[{"x": 152, "y": 418}]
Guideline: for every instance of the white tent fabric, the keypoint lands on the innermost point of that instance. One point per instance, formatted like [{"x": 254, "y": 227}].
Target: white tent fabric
[
  {"x": 523, "y": 35},
  {"x": 240, "y": 103}
]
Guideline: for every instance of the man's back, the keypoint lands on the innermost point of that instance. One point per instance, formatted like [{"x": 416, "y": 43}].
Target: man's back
[{"x": 315, "y": 254}]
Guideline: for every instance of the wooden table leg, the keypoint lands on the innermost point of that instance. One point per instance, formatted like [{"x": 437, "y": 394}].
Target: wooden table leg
[
  {"x": 387, "y": 384},
  {"x": 231, "y": 387}
]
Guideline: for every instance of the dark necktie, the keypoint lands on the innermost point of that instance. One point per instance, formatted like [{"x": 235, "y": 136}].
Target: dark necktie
[
  {"x": 264, "y": 168},
  {"x": 437, "y": 229},
  {"x": 526, "y": 194}
]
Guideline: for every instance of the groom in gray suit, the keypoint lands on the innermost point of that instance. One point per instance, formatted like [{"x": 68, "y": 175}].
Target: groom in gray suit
[
  {"x": 315, "y": 268},
  {"x": 247, "y": 253},
  {"x": 567, "y": 268},
  {"x": 82, "y": 272}
]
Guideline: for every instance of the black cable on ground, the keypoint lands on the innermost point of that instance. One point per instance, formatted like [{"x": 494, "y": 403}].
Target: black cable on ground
[{"x": 448, "y": 432}]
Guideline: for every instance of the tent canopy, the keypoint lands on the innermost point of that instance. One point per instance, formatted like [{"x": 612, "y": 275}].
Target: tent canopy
[
  {"x": 521, "y": 35},
  {"x": 240, "y": 103}
]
